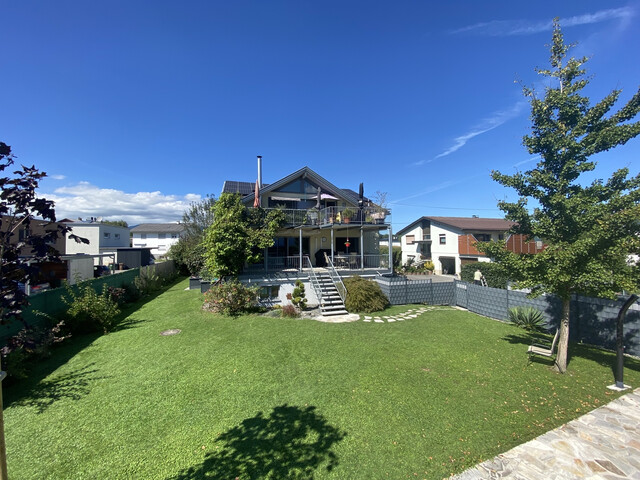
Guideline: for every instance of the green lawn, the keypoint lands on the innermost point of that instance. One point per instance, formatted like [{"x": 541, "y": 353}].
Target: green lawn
[{"x": 256, "y": 397}]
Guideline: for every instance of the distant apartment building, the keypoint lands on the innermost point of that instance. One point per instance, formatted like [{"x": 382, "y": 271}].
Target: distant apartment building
[{"x": 157, "y": 236}]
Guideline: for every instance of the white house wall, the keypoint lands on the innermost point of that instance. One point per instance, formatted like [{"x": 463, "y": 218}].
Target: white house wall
[
  {"x": 159, "y": 246},
  {"x": 101, "y": 237}
]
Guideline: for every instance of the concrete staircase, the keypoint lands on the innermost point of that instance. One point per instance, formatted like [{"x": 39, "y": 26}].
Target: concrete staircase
[{"x": 331, "y": 304}]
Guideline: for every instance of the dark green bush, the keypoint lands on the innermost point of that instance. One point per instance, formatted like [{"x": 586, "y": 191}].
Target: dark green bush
[
  {"x": 494, "y": 273},
  {"x": 231, "y": 298},
  {"x": 90, "y": 311},
  {"x": 396, "y": 255},
  {"x": 188, "y": 253},
  {"x": 298, "y": 297},
  {"x": 364, "y": 295}
]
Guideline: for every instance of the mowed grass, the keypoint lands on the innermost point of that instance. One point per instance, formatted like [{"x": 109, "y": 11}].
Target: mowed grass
[{"x": 255, "y": 397}]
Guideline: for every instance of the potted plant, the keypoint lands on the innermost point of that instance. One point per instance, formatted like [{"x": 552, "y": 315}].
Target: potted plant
[{"x": 347, "y": 213}]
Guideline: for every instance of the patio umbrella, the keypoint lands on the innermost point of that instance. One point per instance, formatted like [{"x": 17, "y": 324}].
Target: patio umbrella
[
  {"x": 361, "y": 195},
  {"x": 256, "y": 200},
  {"x": 318, "y": 199}
]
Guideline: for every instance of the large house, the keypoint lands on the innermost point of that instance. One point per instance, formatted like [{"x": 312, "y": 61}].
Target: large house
[
  {"x": 321, "y": 219},
  {"x": 158, "y": 236},
  {"x": 449, "y": 242}
]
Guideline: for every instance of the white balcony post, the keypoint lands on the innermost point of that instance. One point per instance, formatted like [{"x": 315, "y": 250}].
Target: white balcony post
[
  {"x": 361, "y": 248},
  {"x": 390, "y": 247},
  {"x": 300, "y": 250}
]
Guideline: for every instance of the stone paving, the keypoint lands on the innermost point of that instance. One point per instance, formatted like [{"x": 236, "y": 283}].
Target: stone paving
[
  {"x": 603, "y": 444},
  {"x": 411, "y": 313}
]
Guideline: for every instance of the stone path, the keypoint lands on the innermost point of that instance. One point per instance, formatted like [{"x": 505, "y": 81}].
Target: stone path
[
  {"x": 603, "y": 444},
  {"x": 411, "y": 313}
]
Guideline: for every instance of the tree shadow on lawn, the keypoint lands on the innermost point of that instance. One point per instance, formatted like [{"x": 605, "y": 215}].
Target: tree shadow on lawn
[
  {"x": 292, "y": 442},
  {"x": 73, "y": 385},
  {"x": 603, "y": 357}
]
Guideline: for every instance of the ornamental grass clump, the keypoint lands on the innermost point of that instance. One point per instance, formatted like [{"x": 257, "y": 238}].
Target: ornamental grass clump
[
  {"x": 528, "y": 318},
  {"x": 364, "y": 295},
  {"x": 231, "y": 298}
]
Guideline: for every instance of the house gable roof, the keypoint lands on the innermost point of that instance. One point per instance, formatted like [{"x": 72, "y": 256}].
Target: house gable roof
[
  {"x": 464, "y": 223},
  {"x": 158, "y": 228},
  {"x": 305, "y": 172}
]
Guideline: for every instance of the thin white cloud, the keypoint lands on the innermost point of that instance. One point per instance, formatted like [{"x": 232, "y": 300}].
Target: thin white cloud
[
  {"x": 486, "y": 125},
  {"x": 528, "y": 160},
  {"x": 435, "y": 188},
  {"x": 87, "y": 200},
  {"x": 57, "y": 177},
  {"x": 502, "y": 28}
]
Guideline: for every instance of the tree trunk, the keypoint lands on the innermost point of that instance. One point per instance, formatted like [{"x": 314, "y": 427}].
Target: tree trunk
[{"x": 563, "y": 340}]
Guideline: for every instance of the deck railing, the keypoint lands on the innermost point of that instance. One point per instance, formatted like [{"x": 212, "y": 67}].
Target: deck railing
[{"x": 334, "y": 215}]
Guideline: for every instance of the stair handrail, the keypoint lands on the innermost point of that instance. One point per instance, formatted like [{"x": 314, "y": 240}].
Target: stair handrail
[
  {"x": 336, "y": 278},
  {"x": 315, "y": 283}
]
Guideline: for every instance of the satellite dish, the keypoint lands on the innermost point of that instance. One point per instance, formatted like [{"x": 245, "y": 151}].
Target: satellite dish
[
  {"x": 99, "y": 219},
  {"x": 79, "y": 219}
]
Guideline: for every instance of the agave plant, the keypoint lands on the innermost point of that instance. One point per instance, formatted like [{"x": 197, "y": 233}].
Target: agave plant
[{"x": 529, "y": 318}]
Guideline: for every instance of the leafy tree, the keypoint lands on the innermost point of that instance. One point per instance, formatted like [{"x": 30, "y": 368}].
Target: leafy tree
[
  {"x": 19, "y": 206},
  {"x": 238, "y": 235},
  {"x": 590, "y": 230},
  {"x": 198, "y": 217},
  {"x": 188, "y": 251}
]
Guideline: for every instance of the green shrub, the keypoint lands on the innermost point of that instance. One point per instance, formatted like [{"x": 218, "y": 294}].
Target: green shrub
[
  {"x": 364, "y": 295},
  {"x": 289, "y": 311},
  {"x": 529, "y": 318},
  {"x": 298, "y": 297},
  {"x": 148, "y": 281},
  {"x": 90, "y": 311},
  {"x": 27, "y": 346},
  {"x": 494, "y": 273},
  {"x": 231, "y": 298},
  {"x": 396, "y": 255}
]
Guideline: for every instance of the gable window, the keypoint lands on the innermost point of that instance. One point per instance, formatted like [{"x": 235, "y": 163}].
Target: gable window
[
  {"x": 443, "y": 239},
  {"x": 411, "y": 239}
]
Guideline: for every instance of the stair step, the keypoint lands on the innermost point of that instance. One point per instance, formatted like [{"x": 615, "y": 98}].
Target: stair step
[{"x": 336, "y": 312}]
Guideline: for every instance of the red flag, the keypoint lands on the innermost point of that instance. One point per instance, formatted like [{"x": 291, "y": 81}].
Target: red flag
[{"x": 256, "y": 200}]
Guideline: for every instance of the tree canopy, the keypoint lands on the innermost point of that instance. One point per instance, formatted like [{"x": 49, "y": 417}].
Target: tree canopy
[
  {"x": 23, "y": 247},
  {"x": 590, "y": 229},
  {"x": 238, "y": 235}
]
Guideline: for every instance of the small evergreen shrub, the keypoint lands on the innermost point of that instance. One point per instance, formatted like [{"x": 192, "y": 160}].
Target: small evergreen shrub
[
  {"x": 148, "y": 281},
  {"x": 494, "y": 273},
  {"x": 90, "y": 311},
  {"x": 298, "y": 297},
  {"x": 364, "y": 295},
  {"x": 529, "y": 318},
  {"x": 231, "y": 298}
]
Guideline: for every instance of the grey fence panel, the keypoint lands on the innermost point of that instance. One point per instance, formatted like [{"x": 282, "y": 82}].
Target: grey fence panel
[
  {"x": 461, "y": 294},
  {"x": 444, "y": 293},
  {"x": 490, "y": 302},
  {"x": 401, "y": 291}
]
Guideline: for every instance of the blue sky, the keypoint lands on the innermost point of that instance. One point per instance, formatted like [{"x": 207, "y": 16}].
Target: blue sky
[{"x": 135, "y": 109}]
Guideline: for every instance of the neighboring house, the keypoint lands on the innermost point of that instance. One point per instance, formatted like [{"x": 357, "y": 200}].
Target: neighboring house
[
  {"x": 157, "y": 236},
  {"x": 449, "y": 242},
  {"x": 103, "y": 239},
  {"x": 38, "y": 227},
  {"x": 320, "y": 219}
]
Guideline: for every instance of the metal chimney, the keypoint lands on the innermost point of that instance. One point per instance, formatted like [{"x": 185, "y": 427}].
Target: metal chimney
[{"x": 260, "y": 171}]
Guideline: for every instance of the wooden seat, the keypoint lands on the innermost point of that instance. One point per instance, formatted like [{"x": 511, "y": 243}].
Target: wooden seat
[{"x": 544, "y": 350}]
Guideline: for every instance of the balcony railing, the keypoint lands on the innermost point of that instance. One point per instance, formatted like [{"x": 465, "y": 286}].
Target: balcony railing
[{"x": 334, "y": 215}]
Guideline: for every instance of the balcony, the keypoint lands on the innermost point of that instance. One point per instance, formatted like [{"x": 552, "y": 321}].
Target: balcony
[{"x": 333, "y": 216}]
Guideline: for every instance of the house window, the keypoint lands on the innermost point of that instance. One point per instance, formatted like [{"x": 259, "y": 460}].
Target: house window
[
  {"x": 143, "y": 235},
  {"x": 483, "y": 237},
  {"x": 411, "y": 239},
  {"x": 174, "y": 235},
  {"x": 23, "y": 234},
  {"x": 162, "y": 235},
  {"x": 443, "y": 239},
  {"x": 268, "y": 292},
  {"x": 117, "y": 235},
  {"x": 106, "y": 235}
]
